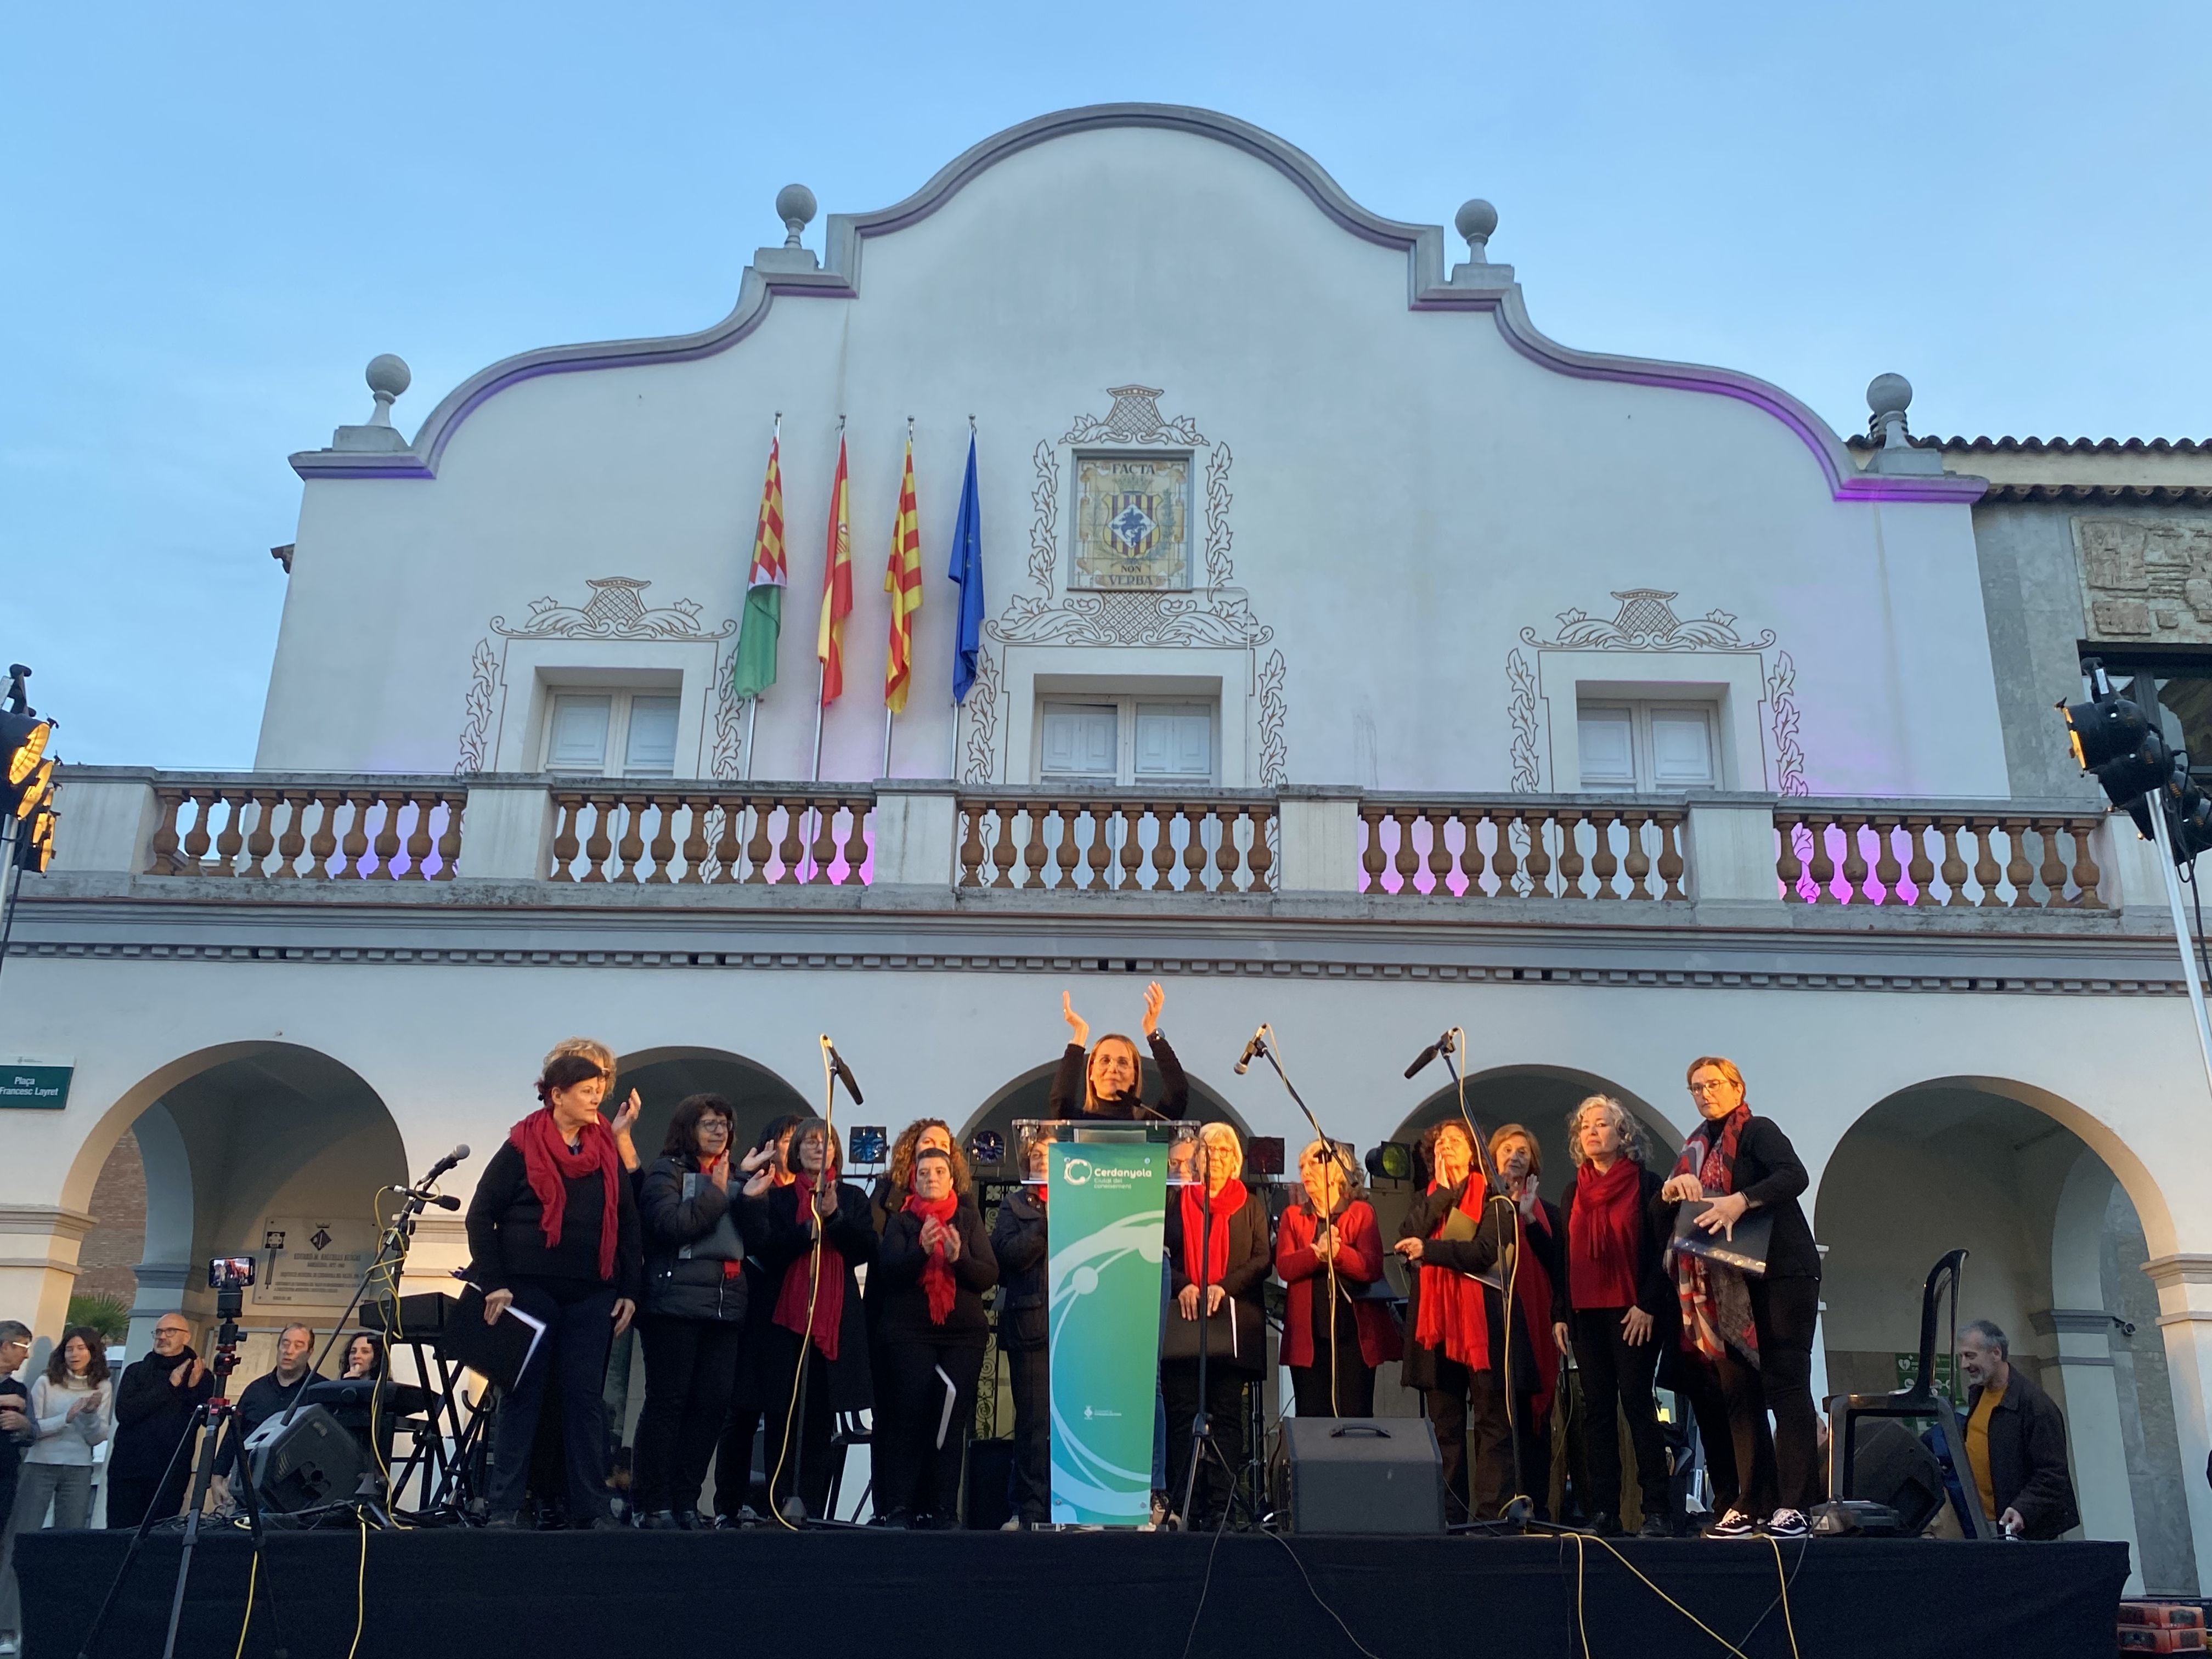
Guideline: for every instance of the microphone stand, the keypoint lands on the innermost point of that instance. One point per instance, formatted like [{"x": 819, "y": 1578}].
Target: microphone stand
[
  {"x": 1263, "y": 1048},
  {"x": 792, "y": 1511},
  {"x": 1201, "y": 1421},
  {"x": 1518, "y": 1508}
]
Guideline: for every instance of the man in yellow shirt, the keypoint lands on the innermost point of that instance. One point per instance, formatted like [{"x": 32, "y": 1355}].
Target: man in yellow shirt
[{"x": 2015, "y": 1441}]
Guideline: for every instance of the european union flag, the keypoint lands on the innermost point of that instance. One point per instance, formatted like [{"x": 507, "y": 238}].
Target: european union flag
[{"x": 967, "y": 569}]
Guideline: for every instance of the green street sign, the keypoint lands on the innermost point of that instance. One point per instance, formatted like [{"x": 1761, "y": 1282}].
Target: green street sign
[{"x": 41, "y": 1088}]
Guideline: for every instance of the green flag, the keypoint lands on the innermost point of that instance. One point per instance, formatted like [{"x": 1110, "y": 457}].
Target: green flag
[{"x": 752, "y": 671}]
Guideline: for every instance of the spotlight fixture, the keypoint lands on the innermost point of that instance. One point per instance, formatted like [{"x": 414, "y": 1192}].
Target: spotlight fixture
[{"x": 1392, "y": 1161}]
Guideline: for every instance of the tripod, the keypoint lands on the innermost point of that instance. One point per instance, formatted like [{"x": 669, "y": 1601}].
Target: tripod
[{"x": 210, "y": 1415}]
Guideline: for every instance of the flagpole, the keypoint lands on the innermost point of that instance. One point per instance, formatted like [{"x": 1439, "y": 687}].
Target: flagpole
[
  {"x": 752, "y": 719},
  {"x": 886, "y": 772},
  {"x": 820, "y": 676}
]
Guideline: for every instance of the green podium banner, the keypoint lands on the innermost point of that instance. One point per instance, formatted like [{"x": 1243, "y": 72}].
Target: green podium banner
[{"x": 1109, "y": 1202}]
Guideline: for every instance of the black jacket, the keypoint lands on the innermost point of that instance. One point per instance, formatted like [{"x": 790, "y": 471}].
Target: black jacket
[
  {"x": 1654, "y": 1284},
  {"x": 688, "y": 1238},
  {"x": 1251, "y": 1260},
  {"x": 1768, "y": 1173},
  {"x": 903, "y": 1314},
  {"x": 259, "y": 1401},
  {"x": 1478, "y": 1254},
  {"x": 1067, "y": 1088},
  {"x": 506, "y": 1236},
  {"x": 13, "y": 1396},
  {"x": 854, "y": 1235},
  {"x": 2028, "y": 1459},
  {"x": 151, "y": 1417},
  {"x": 1020, "y": 1239}
]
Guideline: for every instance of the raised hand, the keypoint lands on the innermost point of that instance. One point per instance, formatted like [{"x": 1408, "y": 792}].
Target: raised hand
[
  {"x": 622, "y": 1121},
  {"x": 1076, "y": 1023},
  {"x": 1153, "y": 998}
]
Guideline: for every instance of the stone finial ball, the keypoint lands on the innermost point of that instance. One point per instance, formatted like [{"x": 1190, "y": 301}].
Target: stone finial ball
[
  {"x": 795, "y": 202},
  {"x": 1475, "y": 219},
  {"x": 388, "y": 375},
  {"x": 1885, "y": 393}
]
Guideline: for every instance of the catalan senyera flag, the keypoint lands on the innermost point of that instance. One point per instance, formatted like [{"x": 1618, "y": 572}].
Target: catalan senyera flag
[
  {"x": 902, "y": 581},
  {"x": 836, "y": 587},
  {"x": 752, "y": 671}
]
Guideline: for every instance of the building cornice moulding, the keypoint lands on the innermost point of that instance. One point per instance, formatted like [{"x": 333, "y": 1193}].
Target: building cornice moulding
[{"x": 1471, "y": 287}]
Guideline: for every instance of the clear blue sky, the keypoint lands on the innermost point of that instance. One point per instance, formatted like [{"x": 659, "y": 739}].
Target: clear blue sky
[{"x": 214, "y": 216}]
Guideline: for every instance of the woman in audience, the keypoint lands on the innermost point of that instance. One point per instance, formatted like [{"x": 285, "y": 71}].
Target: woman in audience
[
  {"x": 931, "y": 1270},
  {"x": 815, "y": 1348},
  {"x": 1328, "y": 1252},
  {"x": 72, "y": 1409},
  {"x": 1622, "y": 1305},
  {"x": 1753, "y": 1334},
  {"x": 1218, "y": 1250}
]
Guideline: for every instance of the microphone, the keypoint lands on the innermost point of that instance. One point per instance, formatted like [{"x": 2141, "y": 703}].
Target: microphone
[
  {"x": 445, "y": 1163},
  {"x": 844, "y": 1072},
  {"x": 1443, "y": 1045},
  {"x": 446, "y": 1201},
  {"x": 1253, "y": 1050}
]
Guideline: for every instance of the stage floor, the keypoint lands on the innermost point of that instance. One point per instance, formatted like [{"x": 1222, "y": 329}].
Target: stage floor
[{"x": 1044, "y": 1596}]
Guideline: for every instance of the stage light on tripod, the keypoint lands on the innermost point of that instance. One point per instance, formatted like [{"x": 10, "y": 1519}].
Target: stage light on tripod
[
  {"x": 1392, "y": 1161},
  {"x": 35, "y": 845},
  {"x": 31, "y": 792},
  {"x": 2114, "y": 738}
]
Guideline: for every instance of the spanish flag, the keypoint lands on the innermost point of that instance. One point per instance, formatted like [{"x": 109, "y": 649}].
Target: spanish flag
[
  {"x": 753, "y": 670},
  {"x": 837, "y": 588},
  {"x": 902, "y": 581}
]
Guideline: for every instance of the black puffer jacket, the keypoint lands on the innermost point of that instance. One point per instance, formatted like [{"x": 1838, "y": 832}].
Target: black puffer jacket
[
  {"x": 895, "y": 1282},
  {"x": 696, "y": 1238},
  {"x": 1019, "y": 1238}
]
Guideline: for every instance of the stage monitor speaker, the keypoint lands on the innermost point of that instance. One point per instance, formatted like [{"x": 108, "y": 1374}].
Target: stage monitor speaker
[
  {"x": 1892, "y": 1467},
  {"x": 302, "y": 1463},
  {"x": 1359, "y": 1475}
]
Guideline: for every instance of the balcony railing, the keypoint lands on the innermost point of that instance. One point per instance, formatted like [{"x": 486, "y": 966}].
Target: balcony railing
[
  {"x": 768, "y": 836},
  {"x": 1213, "y": 844},
  {"x": 1896, "y": 854},
  {"x": 385, "y": 827},
  {"x": 1514, "y": 848}
]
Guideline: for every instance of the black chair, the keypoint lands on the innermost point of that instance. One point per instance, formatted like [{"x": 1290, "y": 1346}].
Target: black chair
[{"x": 1921, "y": 1399}]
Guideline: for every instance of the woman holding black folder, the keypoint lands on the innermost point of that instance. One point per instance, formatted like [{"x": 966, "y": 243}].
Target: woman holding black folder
[
  {"x": 1749, "y": 1335},
  {"x": 1218, "y": 1248}
]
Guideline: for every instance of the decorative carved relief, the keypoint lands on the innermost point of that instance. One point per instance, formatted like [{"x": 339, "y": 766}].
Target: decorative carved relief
[
  {"x": 2147, "y": 579},
  {"x": 1135, "y": 418},
  {"x": 728, "y": 758},
  {"x": 1645, "y": 621},
  {"x": 1218, "y": 618},
  {"x": 616, "y": 610},
  {"x": 1274, "y": 751},
  {"x": 1218, "y": 571},
  {"x": 1521, "y": 712},
  {"x": 982, "y": 706}
]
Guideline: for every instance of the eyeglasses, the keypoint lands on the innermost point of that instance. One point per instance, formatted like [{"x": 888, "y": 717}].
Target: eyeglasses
[{"x": 1712, "y": 1088}]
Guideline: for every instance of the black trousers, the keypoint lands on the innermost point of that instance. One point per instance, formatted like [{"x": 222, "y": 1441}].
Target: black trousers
[
  {"x": 130, "y": 1498},
  {"x": 733, "y": 1460},
  {"x": 797, "y": 1453},
  {"x": 1224, "y": 1410},
  {"x": 691, "y": 1367},
  {"x": 1335, "y": 1346},
  {"x": 1475, "y": 1438},
  {"x": 1029, "y": 1371},
  {"x": 914, "y": 1473},
  {"x": 571, "y": 1361},
  {"x": 1778, "y": 1468},
  {"x": 1617, "y": 1377}
]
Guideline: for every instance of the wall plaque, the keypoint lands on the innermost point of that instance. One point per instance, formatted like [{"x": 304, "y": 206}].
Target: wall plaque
[
  {"x": 1132, "y": 522},
  {"x": 41, "y": 1088},
  {"x": 2147, "y": 579}
]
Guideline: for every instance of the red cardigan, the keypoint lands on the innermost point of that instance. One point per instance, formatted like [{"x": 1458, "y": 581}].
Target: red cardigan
[{"x": 1358, "y": 1261}]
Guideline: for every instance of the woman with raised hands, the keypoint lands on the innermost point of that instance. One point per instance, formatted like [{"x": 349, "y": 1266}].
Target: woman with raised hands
[
  {"x": 1328, "y": 1252},
  {"x": 1106, "y": 1080}
]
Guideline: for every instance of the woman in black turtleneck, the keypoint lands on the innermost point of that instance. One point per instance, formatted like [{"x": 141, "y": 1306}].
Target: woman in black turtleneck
[{"x": 1109, "y": 1081}]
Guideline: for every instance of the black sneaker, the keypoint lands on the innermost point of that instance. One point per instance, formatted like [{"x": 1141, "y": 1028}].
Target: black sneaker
[
  {"x": 504, "y": 1521},
  {"x": 1656, "y": 1526},
  {"x": 1787, "y": 1524},
  {"x": 1604, "y": 1526},
  {"x": 1734, "y": 1524},
  {"x": 657, "y": 1520}
]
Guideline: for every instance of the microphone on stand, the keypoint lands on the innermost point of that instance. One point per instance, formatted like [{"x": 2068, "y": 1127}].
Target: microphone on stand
[
  {"x": 844, "y": 1072},
  {"x": 439, "y": 1168},
  {"x": 1253, "y": 1050},
  {"x": 1443, "y": 1045}
]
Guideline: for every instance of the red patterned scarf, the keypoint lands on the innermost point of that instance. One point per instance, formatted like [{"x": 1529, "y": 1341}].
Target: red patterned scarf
[
  {"x": 1716, "y": 1304},
  {"x": 800, "y": 1285},
  {"x": 936, "y": 1271},
  {"x": 1603, "y": 1237},
  {"x": 1217, "y": 1209},
  {"x": 550, "y": 1166},
  {"x": 1452, "y": 1316}
]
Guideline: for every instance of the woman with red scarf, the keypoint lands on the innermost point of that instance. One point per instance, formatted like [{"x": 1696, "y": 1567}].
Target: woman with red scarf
[
  {"x": 1020, "y": 1240},
  {"x": 1327, "y": 1251},
  {"x": 931, "y": 1271},
  {"x": 1623, "y": 1306},
  {"x": 1460, "y": 1356},
  {"x": 1748, "y": 1340},
  {"x": 817, "y": 1314},
  {"x": 1218, "y": 1255},
  {"x": 553, "y": 1233}
]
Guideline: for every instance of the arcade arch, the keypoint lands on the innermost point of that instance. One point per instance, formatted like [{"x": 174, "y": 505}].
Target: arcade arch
[
  {"x": 1028, "y": 1096},
  {"x": 663, "y": 1077},
  {"x": 2056, "y": 1246}
]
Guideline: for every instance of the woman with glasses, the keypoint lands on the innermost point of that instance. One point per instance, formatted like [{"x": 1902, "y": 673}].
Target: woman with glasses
[
  {"x": 1748, "y": 1337},
  {"x": 1328, "y": 1252}
]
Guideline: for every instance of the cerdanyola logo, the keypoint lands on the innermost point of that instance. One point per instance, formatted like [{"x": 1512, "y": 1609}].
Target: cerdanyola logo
[{"x": 1076, "y": 1172}]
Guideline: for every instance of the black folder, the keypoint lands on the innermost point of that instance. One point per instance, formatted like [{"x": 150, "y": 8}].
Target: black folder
[
  {"x": 498, "y": 1351},
  {"x": 1747, "y": 1252}
]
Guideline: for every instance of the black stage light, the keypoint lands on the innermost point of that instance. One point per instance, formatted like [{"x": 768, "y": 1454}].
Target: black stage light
[
  {"x": 1392, "y": 1161},
  {"x": 867, "y": 1144},
  {"x": 31, "y": 792},
  {"x": 2192, "y": 823},
  {"x": 987, "y": 1148},
  {"x": 1263, "y": 1155},
  {"x": 2114, "y": 738}
]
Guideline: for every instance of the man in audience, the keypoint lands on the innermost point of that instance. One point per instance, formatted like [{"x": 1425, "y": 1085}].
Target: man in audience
[
  {"x": 2015, "y": 1441},
  {"x": 264, "y": 1397},
  {"x": 149, "y": 1464},
  {"x": 16, "y": 1432}
]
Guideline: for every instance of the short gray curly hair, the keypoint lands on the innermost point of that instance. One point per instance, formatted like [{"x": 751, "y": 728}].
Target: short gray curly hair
[{"x": 1624, "y": 1123}]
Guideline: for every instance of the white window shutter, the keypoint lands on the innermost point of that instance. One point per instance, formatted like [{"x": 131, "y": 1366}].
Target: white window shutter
[
  {"x": 650, "y": 752},
  {"x": 1607, "y": 740},
  {"x": 577, "y": 740},
  {"x": 1682, "y": 749},
  {"x": 1078, "y": 741}
]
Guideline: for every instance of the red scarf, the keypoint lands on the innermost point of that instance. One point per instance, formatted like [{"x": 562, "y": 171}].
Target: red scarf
[
  {"x": 800, "y": 1283},
  {"x": 1532, "y": 1293},
  {"x": 548, "y": 1165},
  {"x": 1705, "y": 1329},
  {"x": 1603, "y": 1237},
  {"x": 1452, "y": 1316},
  {"x": 1218, "y": 1209},
  {"x": 936, "y": 1271}
]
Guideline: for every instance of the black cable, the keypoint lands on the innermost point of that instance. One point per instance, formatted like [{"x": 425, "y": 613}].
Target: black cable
[
  {"x": 2188, "y": 873},
  {"x": 1206, "y": 1584},
  {"x": 1318, "y": 1602}
]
